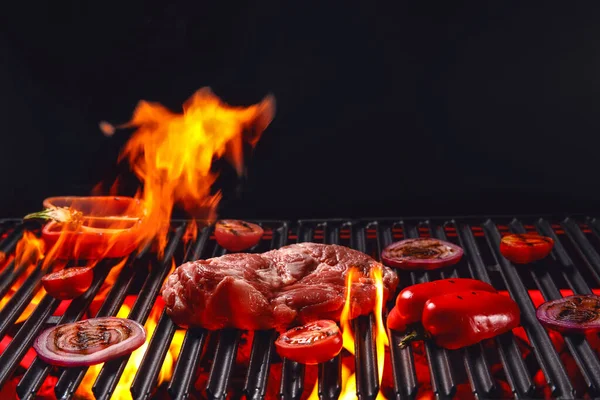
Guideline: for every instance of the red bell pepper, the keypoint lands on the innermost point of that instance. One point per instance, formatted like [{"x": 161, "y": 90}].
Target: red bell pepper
[
  {"x": 91, "y": 227},
  {"x": 464, "y": 318},
  {"x": 411, "y": 300}
]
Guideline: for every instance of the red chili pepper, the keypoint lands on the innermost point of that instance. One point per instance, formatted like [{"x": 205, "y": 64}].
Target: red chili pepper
[
  {"x": 411, "y": 300},
  {"x": 464, "y": 318}
]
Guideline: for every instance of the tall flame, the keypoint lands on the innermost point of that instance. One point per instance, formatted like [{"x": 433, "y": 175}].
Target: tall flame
[
  {"x": 348, "y": 336},
  {"x": 381, "y": 339},
  {"x": 172, "y": 154}
]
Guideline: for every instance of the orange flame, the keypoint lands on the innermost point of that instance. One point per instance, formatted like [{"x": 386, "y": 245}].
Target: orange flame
[
  {"x": 30, "y": 249},
  {"x": 172, "y": 154},
  {"x": 348, "y": 336},
  {"x": 348, "y": 384},
  {"x": 381, "y": 339},
  {"x": 29, "y": 252}
]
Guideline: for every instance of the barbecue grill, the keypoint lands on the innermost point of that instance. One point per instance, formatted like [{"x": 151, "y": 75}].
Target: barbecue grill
[{"x": 504, "y": 366}]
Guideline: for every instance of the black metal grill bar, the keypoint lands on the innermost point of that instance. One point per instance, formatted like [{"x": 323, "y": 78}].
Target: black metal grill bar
[
  {"x": 330, "y": 378},
  {"x": 9, "y": 243},
  {"x": 10, "y": 275},
  {"x": 34, "y": 376},
  {"x": 23, "y": 340},
  {"x": 571, "y": 274},
  {"x": 330, "y": 372},
  {"x": 292, "y": 380},
  {"x": 220, "y": 371},
  {"x": 543, "y": 349},
  {"x": 594, "y": 225},
  {"x": 111, "y": 371},
  {"x": 147, "y": 373},
  {"x": 255, "y": 386},
  {"x": 510, "y": 355},
  {"x": 403, "y": 363},
  {"x": 365, "y": 358},
  {"x": 583, "y": 246},
  {"x": 442, "y": 380},
  {"x": 476, "y": 364},
  {"x": 367, "y": 385},
  {"x": 584, "y": 356},
  {"x": 70, "y": 378},
  {"x": 20, "y": 300},
  {"x": 187, "y": 363}
]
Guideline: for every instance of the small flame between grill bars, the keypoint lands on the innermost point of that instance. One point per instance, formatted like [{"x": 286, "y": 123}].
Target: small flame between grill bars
[{"x": 574, "y": 265}]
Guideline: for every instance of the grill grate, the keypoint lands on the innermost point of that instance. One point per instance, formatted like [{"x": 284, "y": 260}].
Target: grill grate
[{"x": 574, "y": 265}]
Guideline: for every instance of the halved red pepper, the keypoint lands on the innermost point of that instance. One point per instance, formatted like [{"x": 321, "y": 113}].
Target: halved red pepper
[
  {"x": 106, "y": 227},
  {"x": 462, "y": 319},
  {"x": 412, "y": 299}
]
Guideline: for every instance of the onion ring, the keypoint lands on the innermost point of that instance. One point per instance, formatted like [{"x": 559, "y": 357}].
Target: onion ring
[
  {"x": 574, "y": 314},
  {"x": 88, "y": 342},
  {"x": 421, "y": 253}
]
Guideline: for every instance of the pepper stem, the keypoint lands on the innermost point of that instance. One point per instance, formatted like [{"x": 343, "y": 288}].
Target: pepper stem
[
  {"x": 413, "y": 336},
  {"x": 58, "y": 214},
  {"x": 43, "y": 215}
]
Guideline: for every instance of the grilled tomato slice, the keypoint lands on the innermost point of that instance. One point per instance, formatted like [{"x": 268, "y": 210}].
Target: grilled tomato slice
[
  {"x": 237, "y": 235},
  {"x": 524, "y": 248},
  {"x": 421, "y": 253},
  {"x": 68, "y": 283},
  {"x": 312, "y": 343}
]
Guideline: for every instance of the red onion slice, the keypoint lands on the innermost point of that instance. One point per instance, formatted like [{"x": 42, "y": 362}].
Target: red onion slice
[
  {"x": 88, "y": 342},
  {"x": 421, "y": 253},
  {"x": 575, "y": 314}
]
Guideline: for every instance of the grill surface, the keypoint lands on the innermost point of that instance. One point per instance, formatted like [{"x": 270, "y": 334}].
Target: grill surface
[{"x": 574, "y": 264}]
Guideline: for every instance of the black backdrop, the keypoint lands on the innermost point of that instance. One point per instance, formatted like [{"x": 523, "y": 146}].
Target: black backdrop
[{"x": 404, "y": 109}]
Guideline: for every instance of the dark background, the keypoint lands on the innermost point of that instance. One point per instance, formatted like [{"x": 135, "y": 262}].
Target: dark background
[{"x": 382, "y": 110}]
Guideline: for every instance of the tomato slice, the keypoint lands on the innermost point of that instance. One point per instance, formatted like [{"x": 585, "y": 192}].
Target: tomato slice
[
  {"x": 312, "y": 343},
  {"x": 237, "y": 235},
  {"x": 524, "y": 248},
  {"x": 68, "y": 283},
  {"x": 421, "y": 253}
]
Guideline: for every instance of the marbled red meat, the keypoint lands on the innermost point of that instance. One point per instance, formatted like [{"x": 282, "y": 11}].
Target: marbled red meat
[{"x": 295, "y": 284}]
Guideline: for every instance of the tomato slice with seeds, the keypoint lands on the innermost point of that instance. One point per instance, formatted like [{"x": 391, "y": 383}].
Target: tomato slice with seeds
[
  {"x": 524, "y": 248},
  {"x": 421, "y": 253},
  {"x": 237, "y": 235},
  {"x": 312, "y": 343},
  {"x": 68, "y": 283}
]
